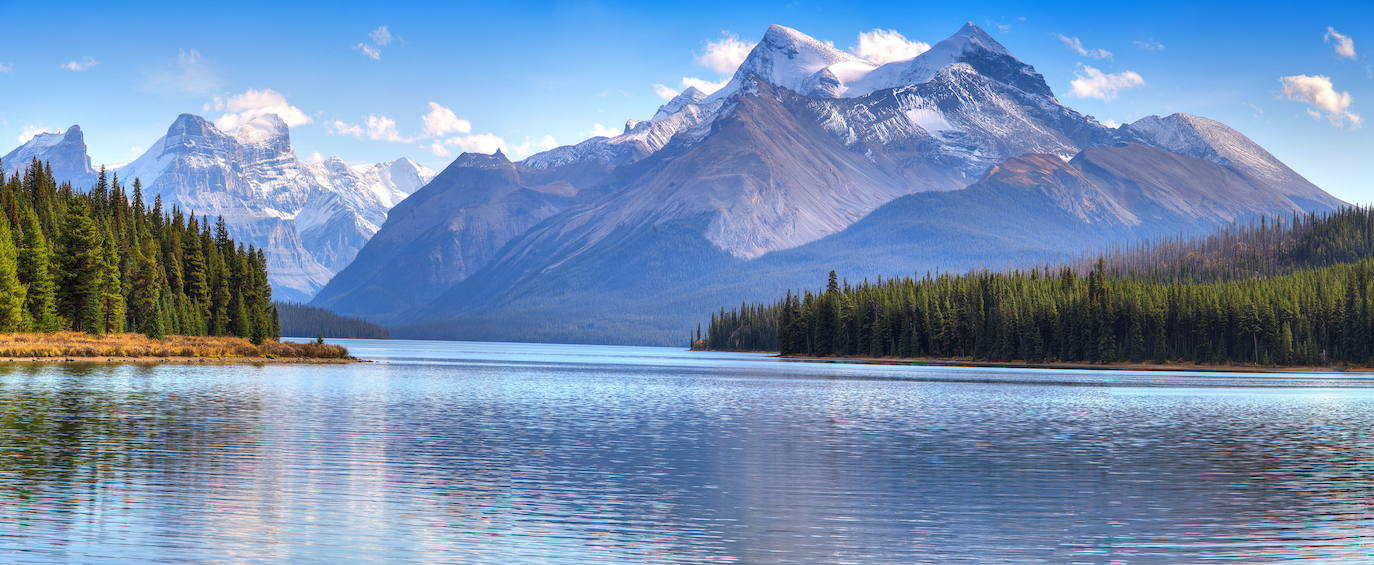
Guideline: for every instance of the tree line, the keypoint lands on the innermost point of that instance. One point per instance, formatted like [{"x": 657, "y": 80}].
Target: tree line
[
  {"x": 1160, "y": 304},
  {"x": 300, "y": 320},
  {"x": 104, "y": 261}
]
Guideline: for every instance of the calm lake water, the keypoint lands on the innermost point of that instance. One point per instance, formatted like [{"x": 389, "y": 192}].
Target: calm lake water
[{"x": 514, "y": 453}]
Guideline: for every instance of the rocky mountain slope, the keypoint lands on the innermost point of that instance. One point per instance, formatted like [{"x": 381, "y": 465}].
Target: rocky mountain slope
[
  {"x": 65, "y": 152},
  {"x": 310, "y": 217},
  {"x": 808, "y": 159}
]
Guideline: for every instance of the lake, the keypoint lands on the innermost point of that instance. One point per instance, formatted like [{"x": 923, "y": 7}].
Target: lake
[{"x": 453, "y": 452}]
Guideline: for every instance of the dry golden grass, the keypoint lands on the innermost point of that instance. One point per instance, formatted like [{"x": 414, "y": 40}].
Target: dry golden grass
[{"x": 133, "y": 345}]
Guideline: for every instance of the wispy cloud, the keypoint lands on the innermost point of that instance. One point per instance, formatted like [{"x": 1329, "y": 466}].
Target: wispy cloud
[
  {"x": 368, "y": 50},
  {"x": 1076, "y": 45},
  {"x": 665, "y": 92},
  {"x": 1149, "y": 45},
  {"x": 441, "y": 120},
  {"x": 242, "y": 108},
  {"x": 82, "y": 65},
  {"x": 1341, "y": 43},
  {"x": 1093, "y": 83},
  {"x": 6, "y": 67},
  {"x": 31, "y": 130},
  {"x": 881, "y": 46},
  {"x": 187, "y": 73},
  {"x": 1318, "y": 92},
  {"x": 599, "y": 130},
  {"x": 724, "y": 55},
  {"x": 380, "y": 37}
]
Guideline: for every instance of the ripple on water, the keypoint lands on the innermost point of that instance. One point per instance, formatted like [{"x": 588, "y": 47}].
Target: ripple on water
[{"x": 501, "y": 453}]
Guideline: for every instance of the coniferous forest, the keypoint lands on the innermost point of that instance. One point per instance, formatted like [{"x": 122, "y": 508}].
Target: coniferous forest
[
  {"x": 1293, "y": 292},
  {"x": 105, "y": 261},
  {"x": 300, "y": 320}
]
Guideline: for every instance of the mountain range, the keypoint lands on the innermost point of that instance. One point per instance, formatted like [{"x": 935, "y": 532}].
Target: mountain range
[
  {"x": 808, "y": 159},
  {"x": 311, "y": 218}
]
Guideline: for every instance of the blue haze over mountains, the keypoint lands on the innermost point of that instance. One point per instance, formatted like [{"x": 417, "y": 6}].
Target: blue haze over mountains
[{"x": 808, "y": 160}]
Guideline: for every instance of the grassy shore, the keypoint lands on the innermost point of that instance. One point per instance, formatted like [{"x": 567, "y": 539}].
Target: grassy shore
[
  {"x": 132, "y": 347},
  {"x": 1194, "y": 367}
]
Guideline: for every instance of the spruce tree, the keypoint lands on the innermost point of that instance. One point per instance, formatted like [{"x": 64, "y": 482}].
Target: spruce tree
[{"x": 12, "y": 315}]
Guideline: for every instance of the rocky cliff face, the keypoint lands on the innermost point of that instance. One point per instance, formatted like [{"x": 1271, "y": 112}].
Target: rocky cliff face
[
  {"x": 65, "y": 152},
  {"x": 807, "y": 159},
  {"x": 311, "y": 218}
]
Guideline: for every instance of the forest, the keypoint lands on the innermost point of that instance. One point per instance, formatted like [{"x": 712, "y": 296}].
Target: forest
[
  {"x": 1279, "y": 292},
  {"x": 300, "y": 320},
  {"x": 104, "y": 261}
]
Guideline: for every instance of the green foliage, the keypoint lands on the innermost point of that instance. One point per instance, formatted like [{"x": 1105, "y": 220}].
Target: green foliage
[
  {"x": 100, "y": 263},
  {"x": 1212, "y": 301},
  {"x": 302, "y": 321}
]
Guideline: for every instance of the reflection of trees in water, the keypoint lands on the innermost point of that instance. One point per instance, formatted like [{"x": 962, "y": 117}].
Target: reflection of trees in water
[{"x": 74, "y": 428}]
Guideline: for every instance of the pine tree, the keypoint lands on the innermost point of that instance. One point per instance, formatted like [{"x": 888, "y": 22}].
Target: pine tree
[
  {"x": 12, "y": 292},
  {"x": 35, "y": 272}
]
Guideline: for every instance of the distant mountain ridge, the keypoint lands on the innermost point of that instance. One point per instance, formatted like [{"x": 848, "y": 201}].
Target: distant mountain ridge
[
  {"x": 310, "y": 218},
  {"x": 806, "y": 160},
  {"x": 64, "y": 152}
]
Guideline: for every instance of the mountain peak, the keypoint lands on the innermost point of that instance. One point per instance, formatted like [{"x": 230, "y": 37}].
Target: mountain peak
[
  {"x": 788, "y": 58},
  {"x": 267, "y": 128}
]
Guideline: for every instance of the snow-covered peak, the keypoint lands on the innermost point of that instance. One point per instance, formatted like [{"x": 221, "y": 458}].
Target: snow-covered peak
[
  {"x": 1204, "y": 138},
  {"x": 789, "y": 58},
  {"x": 968, "y": 45},
  {"x": 264, "y": 129},
  {"x": 48, "y": 139},
  {"x": 64, "y": 152},
  {"x": 972, "y": 36},
  {"x": 689, "y": 96}
]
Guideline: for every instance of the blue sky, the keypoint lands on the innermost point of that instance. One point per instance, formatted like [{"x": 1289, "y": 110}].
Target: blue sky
[{"x": 518, "y": 74}]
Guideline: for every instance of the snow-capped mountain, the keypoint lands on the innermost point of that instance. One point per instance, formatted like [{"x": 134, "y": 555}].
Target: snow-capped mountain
[
  {"x": 65, "y": 152},
  {"x": 734, "y": 195},
  {"x": 1214, "y": 141},
  {"x": 310, "y": 217}
]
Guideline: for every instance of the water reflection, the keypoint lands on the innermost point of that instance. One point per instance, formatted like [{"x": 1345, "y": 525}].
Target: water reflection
[{"x": 503, "y": 453}]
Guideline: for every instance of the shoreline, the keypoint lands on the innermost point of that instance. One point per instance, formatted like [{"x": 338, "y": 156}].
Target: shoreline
[
  {"x": 177, "y": 360},
  {"x": 1187, "y": 367},
  {"x": 133, "y": 348}
]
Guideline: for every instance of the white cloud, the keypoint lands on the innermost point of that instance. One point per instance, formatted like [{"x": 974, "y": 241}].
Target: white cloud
[
  {"x": 381, "y": 36},
  {"x": 339, "y": 127},
  {"x": 1149, "y": 45},
  {"x": 252, "y": 103},
  {"x": 532, "y": 146},
  {"x": 6, "y": 67},
  {"x": 441, "y": 121},
  {"x": 886, "y": 45},
  {"x": 704, "y": 85},
  {"x": 188, "y": 73},
  {"x": 1344, "y": 46},
  {"x": 83, "y": 64},
  {"x": 437, "y": 147},
  {"x": 368, "y": 50},
  {"x": 1077, "y": 46},
  {"x": 477, "y": 143},
  {"x": 599, "y": 130},
  {"x": 315, "y": 158},
  {"x": 1092, "y": 83},
  {"x": 384, "y": 129},
  {"x": 31, "y": 130},
  {"x": 726, "y": 54},
  {"x": 1319, "y": 92},
  {"x": 665, "y": 92}
]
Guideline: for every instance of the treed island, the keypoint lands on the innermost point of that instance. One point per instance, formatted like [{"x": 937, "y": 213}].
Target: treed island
[
  {"x": 1274, "y": 292},
  {"x": 102, "y": 274}
]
